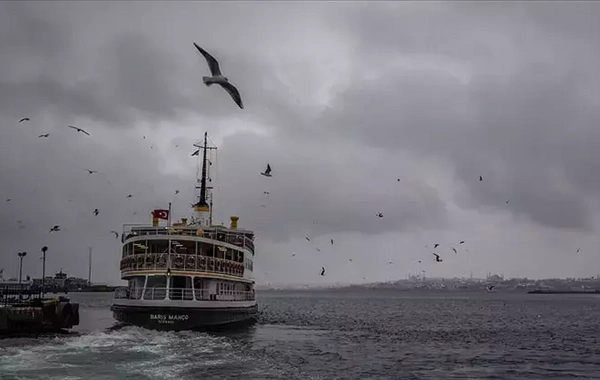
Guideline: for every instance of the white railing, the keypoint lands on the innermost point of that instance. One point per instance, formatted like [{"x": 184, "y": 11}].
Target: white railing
[
  {"x": 237, "y": 239},
  {"x": 183, "y": 294},
  {"x": 158, "y": 261}
]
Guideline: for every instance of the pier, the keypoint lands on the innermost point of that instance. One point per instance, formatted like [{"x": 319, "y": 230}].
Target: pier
[{"x": 24, "y": 311}]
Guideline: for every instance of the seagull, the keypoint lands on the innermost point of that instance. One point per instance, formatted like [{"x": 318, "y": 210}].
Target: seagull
[
  {"x": 398, "y": 179},
  {"x": 331, "y": 241},
  {"x": 91, "y": 171},
  {"x": 462, "y": 242},
  {"x": 78, "y": 129},
  {"x": 454, "y": 249},
  {"x": 267, "y": 172},
  {"x": 350, "y": 260},
  {"x": 263, "y": 206},
  {"x": 307, "y": 238},
  {"x": 480, "y": 178},
  {"x": 130, "y": 196},
  {"x": 116, "y": 234},
  {"x": 578, "y": 249},
  {"x": 55, "y": 228},
  {"x": 490, "y": 288},
  {"x": 266, "y": 193},
  {"x": 322, "y": 271},
  {"x": 96, "y": 212},
  {"x": 196, "y": 153},
  {"x": 218, "y": 78},
  {"x": 46, "y": 135},
  {"x": 435, "y": 246},
  {"x": 8, "y": 199},
  {"x": 24, "y": 119},
  {"x": 176, "y": 192},
  {"x": 318, "y": 250},
  {"x": 437, "y": 257},
  {"x": 379, "y": 214}
]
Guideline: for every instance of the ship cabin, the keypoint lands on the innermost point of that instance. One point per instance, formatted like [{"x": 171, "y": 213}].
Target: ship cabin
[{"x": 187, "y": 263}]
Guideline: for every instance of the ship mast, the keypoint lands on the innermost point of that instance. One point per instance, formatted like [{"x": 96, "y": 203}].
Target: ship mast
[{"x": 202, "y": 208}]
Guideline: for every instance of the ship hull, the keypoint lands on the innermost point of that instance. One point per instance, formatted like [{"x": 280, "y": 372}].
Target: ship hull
[{"x": 183, "y": 318}]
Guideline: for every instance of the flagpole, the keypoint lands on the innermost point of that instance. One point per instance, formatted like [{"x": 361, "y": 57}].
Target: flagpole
[{"x": 169, "y": 219}]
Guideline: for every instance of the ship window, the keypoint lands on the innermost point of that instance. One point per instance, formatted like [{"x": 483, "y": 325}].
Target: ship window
[
  {"x": 186, "y": 247},
  {"x": 136, "y": 287},
  {"x": 139, "y": 247},
  {"x": 158, "y": 246},
  {"x": 156, "y": 288},
  {"x": 180, "y": 288}
]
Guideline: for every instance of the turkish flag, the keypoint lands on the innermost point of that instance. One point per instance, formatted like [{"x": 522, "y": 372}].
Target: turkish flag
[{"x": 161, "y": 214}]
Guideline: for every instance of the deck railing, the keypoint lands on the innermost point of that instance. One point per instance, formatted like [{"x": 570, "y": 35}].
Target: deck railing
[
  {"x": 183, "y": 294},
  {"x": 183, "y": 262},
  {"x": 237, "y": 239}
]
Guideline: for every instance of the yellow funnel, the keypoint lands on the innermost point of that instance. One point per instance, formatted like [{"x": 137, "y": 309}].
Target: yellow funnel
[{"x": 234, "y": 220}]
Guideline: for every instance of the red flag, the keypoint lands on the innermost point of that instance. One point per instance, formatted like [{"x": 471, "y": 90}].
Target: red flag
[{"x": 161, "y": 214}]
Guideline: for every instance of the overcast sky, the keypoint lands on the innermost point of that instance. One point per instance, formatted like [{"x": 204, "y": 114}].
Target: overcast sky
[{"x": 342, "y": 99}]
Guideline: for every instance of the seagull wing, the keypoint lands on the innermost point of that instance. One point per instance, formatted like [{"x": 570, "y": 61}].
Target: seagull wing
[
  {"x": 235, "y": 94},
  {"x": 268, "y": 169},
  {"x": 213, "y": 65},
  {"x": 84, "y": 131}
]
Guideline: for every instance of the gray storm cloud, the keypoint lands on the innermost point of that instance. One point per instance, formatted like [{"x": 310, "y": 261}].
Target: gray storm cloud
[{"x": 341, "y": 99}]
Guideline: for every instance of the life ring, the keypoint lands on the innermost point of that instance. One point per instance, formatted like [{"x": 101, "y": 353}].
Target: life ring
[
  {"x": 161, "y": 262},
  {"x": 140, "y": 260},
  {"x": 150, "y": 259},
  {"x": 211, "y": 264},
  {"x": 178, "y": 262},
  {"x": 203, "y": 263},
  {"x": 190, "y": 262},
  {"x": 219, "y": 265}
]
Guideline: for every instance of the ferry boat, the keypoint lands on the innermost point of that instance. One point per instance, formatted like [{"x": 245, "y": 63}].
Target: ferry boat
[{"x": 187, "y": 276}]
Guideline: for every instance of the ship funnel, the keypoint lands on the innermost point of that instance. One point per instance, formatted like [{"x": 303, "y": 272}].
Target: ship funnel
[{"x": 234, "y": 220}]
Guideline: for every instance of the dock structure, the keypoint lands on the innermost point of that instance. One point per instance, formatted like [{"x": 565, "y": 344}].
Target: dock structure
[{"x": 24, "y": 311}]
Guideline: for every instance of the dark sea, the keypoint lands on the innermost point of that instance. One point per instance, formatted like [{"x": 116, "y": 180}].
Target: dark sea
[{"x": 364, "y": 334}]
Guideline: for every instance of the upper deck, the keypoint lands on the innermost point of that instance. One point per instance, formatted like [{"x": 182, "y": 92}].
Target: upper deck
[{"x": 243, "y": 239}]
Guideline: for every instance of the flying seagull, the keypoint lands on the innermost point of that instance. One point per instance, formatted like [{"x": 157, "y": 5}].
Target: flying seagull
[
  {"x": 435, "y": 246},
  {"x": 116, "y": 234},
  {"x": 379, "y": 214},
  {"x": 307, "y": 238},
  {"x": 8, "y": 199},
  {"x": 130, "y": 196},
  {"x": 331, "y": 241},
  {"x": 437, "y": 257},
  {"x": 78, "y": 129},
  {"x": 55, "y": 228},
  {"x": 24, "y": 119},
  {"x": 96, "y": 212},
  {"x": 480, "y": 178},
  {"x": 91, "y": 171},
  {"x": 218, "y": 78},
  {"x": 317, "y": 249},
  {"x": 267, "y": 172},
  {"x": 462, "y": 242},
  {"x": 578, "y": 249},
  {"x": 454, "y": 249},
  {"x": 46, "y": 135},
  {"x": 196, "y": 153},
  {"x": 176, "y": 192},
  {"x": 322, "y": 271}
]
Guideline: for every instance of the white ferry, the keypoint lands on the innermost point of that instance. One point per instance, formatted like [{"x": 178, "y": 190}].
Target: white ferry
[{"x": 186, "y": 276}]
